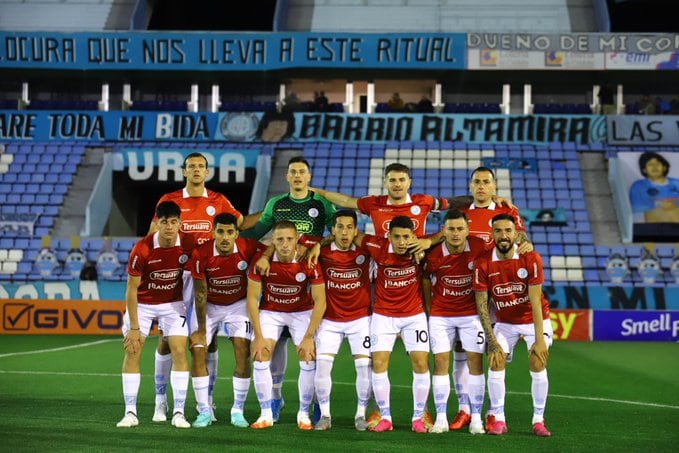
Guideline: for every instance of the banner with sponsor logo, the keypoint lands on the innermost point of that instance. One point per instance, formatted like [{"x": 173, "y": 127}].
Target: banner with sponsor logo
[
  {"x": 613, "y": 297},
  {"x": 49, "y": 317},
  {"x": 635, "y": 325},
  {"x": 245, "y": 127},
  {"x": 520, "y": 60},
  {"x": 572, "y": 325},
  {"x": 201, "y": 51}
]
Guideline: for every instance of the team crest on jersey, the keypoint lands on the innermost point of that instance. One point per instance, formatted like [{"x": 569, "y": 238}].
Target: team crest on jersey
[
  {"x": 471, "y": 265},
  {"x": 360, "y": 259},
  {"x": 300, "y": 277},
  {"x": 415, "y": 210},
  {"x": 313, "y": 213},
  {"x": 242, "y": 265},
  {"x": 210, "y": 210},
  {"x": 522, "y": 272},
  {"x": 183, "y": 259}
]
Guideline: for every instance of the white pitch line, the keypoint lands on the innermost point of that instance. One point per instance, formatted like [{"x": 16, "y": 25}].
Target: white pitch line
[
  {"x": 63, "y": 348},
  {"x": 572, "y": 397}
]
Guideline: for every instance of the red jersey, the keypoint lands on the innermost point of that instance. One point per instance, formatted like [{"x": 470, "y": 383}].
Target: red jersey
[
  {"x": 347, "y": 282},
  {"x": 398, "y": 288},
  {"x": 160, "y": 268},
  {"x": 480, "y": 219},
  {"x": 226, "y": 276},
  {"x": 287, "y": 288},
  {"x": 452, "y": 278},
  {"x": 507, "y": 282},
  {"x": 198, "y": 213},
  {"x": 417, "y": 207}
]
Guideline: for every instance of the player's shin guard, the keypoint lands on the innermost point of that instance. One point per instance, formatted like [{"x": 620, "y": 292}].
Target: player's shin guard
[
  {"x": 131, "y": 383},
  {"x": 180, "y": 386},
  {"x": 240, "y": 393},
  {"x": 323, "y": 383},
  {"x": 476, "y": 394},
  {"x": 461, "y": 378},
  {"x": 212, "y": 360},
  {"x": 363, "y": 387},
  {"x": 496, "y": 393},
  {"x": 382, "y": 390},
  {"x": 539, "y": 390},
  {"x": 163, "y": 365},
  {"x": 262, "y": 376},
  {"x": 441, "y": 389},
  {"x": 421, "y": 386},
  {"x": 200, "y": 390},
  {"x": 305, "y": 385},
  {"x": 279, "y": 363}
]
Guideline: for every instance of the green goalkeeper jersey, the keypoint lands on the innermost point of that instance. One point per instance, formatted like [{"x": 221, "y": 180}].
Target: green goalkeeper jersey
[{"x": 311, "y": 215}]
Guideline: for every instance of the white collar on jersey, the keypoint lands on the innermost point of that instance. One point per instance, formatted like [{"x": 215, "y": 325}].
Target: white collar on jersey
[
  {"x": 490, "y": 207},
  {"x": 447, "y": 253},
  {"x": 185, "y": 193},
  {"x": 215, "y": 252},
  {"x": 275, "y": 258},
  {"x": 514, "y": 257},
  {"x": 334, "y": 247},
  {"x": 408, "y": 199},
  {"x": 156, "y": 242}
]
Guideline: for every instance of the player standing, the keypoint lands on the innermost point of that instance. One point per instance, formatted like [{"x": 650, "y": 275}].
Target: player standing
[
  {"x": 292, "y": 296},
  {"x": 219, "y": 268},
  {"x": 154, "y": 291},
  {"x": 514, "y": 283},
  {"x": 346, "y": 269}
]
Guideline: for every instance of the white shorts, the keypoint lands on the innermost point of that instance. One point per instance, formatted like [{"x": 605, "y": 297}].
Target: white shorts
[
  {"x": 444, "y": 330},
  {"x": 233, "y": 319},
  {"x": 413, "y": 330},
  {"x": 273, "y": 322},
  {"x": 171, "y": 319},
  {"x": 509, "y": 334},
  {"x": 331, "y": 333}
]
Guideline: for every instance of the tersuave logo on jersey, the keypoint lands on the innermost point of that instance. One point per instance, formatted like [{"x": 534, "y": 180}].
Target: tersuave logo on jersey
[
  {"x": 226, "y": 281},
  {"x": 509, "y": 288},
  {"x": 457, "y": 280},
  {"x": 165, "y": 274},
  {"x": 196, "y": 226},
  {"x": 349, "y": 274},
  {"x": 283, "y": 290}
]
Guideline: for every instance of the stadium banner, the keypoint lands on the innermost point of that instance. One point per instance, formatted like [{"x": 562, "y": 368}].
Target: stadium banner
[
  {"x": 271, "y": 127},
  {"x": 635, "y": 61},
  {"x": 51, "y": 316},
  {"x": 18, "y": 223},
  {"x": 572, "y": 325},
  {"x": 216, "y": 51},
  {"x": 635, "y": 325},
  {"x": 521, "y": 60},
  {"x": 655, "y": 130},
  {"x": 614, "y": 297},
  {"x": 576, "y": 42}
]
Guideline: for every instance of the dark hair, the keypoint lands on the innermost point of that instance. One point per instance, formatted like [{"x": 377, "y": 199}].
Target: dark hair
[
  {"x": 396, "y": 166},
  {"x": 192, "y": 155},
  {"x": 455, "y": 214},
  {"x": 274, "y": 115},
  {"x": 226, "y": 219},
  {"x": 492, "y": 173},
  {"x": 647, "y": 156},
  {"x": 503, "y": 216},
  {"x": 299, "y": 160},
  {"x": 168, "y": 209},
  {"x": 283, "y": 224},
  {"x": 401, "y": 221},
  {"x": 345, "y": 213}
]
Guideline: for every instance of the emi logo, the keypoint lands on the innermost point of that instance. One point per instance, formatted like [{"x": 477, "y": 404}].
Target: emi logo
[{"x": 16, "y": 317}]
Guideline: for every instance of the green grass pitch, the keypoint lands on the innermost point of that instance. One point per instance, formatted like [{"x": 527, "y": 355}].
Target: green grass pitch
[{"x": 63, "y": 393}]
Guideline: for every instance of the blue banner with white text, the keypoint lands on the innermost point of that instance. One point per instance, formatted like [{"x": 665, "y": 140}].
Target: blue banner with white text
[
  {"x": 299, "y": 127},
  {"x": 200, "y": 51}
]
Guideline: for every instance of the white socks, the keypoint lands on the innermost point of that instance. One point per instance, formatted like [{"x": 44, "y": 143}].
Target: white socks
[
  {"x": 539, "y": 389},
  {"x": 441, "y": 390},
  {"x": 163, "y": 364},
  {"x": 496, "y": 393},
  {"x": 421, "y": 386},
  {"x": 461, "y": 377},
  {"x": 180, "y": 385},
  {"x": 131, "y": 383}
]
